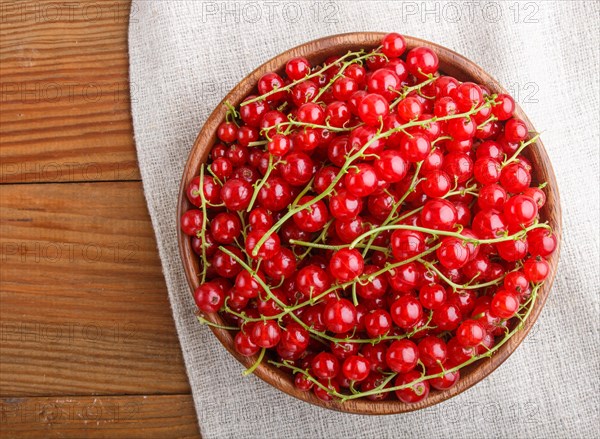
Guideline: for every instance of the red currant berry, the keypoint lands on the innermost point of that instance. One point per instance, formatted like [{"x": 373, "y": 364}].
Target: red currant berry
[
  {"x": 393, "y": 45},
  {"x": 447, "y": 317},
  {"x": 269, "y": 249},
  {"x": 422, "y": 61},
  {"x": 504, "y": 304},
  {"x": 297, "y": 68},
  {"x": 356, "y": 368},
  {"x": 515, "y": 130},
  {"x": 339, "y": 316},
  {"x": 209, "y": 297},
  {"x": 453, "y": 253},
  {"x": 402, "y": 356},
  {"x": 373, "y": 108},
  {"x": 470, "y": 333},
  {"x": 406, "y": 312},
  {"x": 541, "y": 242},
  {"x": 536, "y": 269},
  {"x": 412, "y": 393},
  {"x": 191, "y": 222},
  {"x": 266, "y": 334},
  {"x": 438, "y": 214},
  {"x": 406, "y": 244},
  {"x": 325, "y": 365},
  {"x": 515, "y": 177},
  {"x": 346, "y": 265},
  {"x": 236, "y": 194},
  {"x": 446, "y": 381}
]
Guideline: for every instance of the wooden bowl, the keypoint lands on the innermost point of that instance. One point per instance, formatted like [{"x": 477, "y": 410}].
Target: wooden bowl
[{"x": 317, "y": 51}]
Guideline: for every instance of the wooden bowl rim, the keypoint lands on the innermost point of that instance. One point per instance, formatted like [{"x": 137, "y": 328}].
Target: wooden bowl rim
[{"x": 198, "y": 155}]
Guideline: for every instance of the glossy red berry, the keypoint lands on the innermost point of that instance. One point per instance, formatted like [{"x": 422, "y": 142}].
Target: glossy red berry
[
  {"x": 414, "y": 393},
  {"x": 406, "y": 312},
  {"x": 541, "y": 242},
  {"x": 422, "y": 61},
  {"x": 439, "y": 214},
  {"x": 236, "y": 194},
  {"x": 372, "y": 109},
  {"x": 402, "y": 356},
  {"x": 504, "y": 304},
  {"x": 191, "y": 222},
  {"x": 453, "y": 253},
  {"x": 209, "y": 297},
  {"x": 536, "y": 269},
  {"x": 356, "y": 368},
  {"x": 470, "y": 333},
  {"x": 339, "y": 316},
  {"x": 394, "y": 45},
  {"x": 346, "y": 265},
  {"x": 266, "y": 334},
  {"x": 297, "y": 68}
]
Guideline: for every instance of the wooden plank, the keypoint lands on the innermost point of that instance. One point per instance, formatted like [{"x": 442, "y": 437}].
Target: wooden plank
[
  {"x": 149, "y": 416},
  {"x": 84, "y": 303},
  {"x": 64, "y": 92}
]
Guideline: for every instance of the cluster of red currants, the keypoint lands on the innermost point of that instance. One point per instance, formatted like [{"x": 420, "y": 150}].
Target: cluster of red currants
[{"x": 370, "y": 223}]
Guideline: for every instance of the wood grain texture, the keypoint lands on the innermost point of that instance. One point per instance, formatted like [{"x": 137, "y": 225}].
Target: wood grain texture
[
  {"x": 64, "y": 92},
  {"x": 147, "y": 416},
  {"x": 317, "y": 51},
  {"x": 84, "y": 303}
]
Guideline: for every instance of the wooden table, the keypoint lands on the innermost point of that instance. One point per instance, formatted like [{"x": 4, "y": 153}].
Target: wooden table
[{"x": 88, "y": 344}]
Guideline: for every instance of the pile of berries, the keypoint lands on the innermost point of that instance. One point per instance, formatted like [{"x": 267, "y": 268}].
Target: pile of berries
[{"x": 369, "y": 224}]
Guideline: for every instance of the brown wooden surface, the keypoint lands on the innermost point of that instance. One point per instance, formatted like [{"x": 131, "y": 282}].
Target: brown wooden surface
[
  {"x": 316, "y": 52},
  {"x": 64, "y": 93},
  {"x": 140, "y": 416},
  {"x": 87, "y": 342}
]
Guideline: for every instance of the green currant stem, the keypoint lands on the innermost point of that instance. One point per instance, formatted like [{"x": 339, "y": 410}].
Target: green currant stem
[
  {"x": 395, "y": 265},
  {"x": 261, "y": 183},
  {"x": 330, "y": 247},
  {"x": 406, "y": 90},
  {"x": 298, "y": 81},
  {"x": 348, "y": 163},
  {"x": 488, "y": 120},
  {"x": 296, "y": 123},
  {"x": 515, "y": 236},
  {"x": 304, "y": 191},
  {"x": 456, "y": 286},
  {"x": 258, "y": 143},
  {"x": 205, "y": 262},
  {"x": 520, "y": 150},
  {"x": 252, "y": 368},
  {"x": 203, "y": 321},
  {"x": 232, "y": 115},
  {"x": 440, "y": 139},
  {"x": 320, "y": 238},
  {"x": 210, "y": 171},
  {"x": 354, "y": 297}
]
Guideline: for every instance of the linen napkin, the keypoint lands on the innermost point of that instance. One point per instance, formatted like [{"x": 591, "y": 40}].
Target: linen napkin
[{"x": 186, "y": 55}]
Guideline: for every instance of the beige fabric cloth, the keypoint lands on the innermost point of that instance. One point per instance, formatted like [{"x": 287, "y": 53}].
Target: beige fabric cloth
[{"x": 186, "y": 55}]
